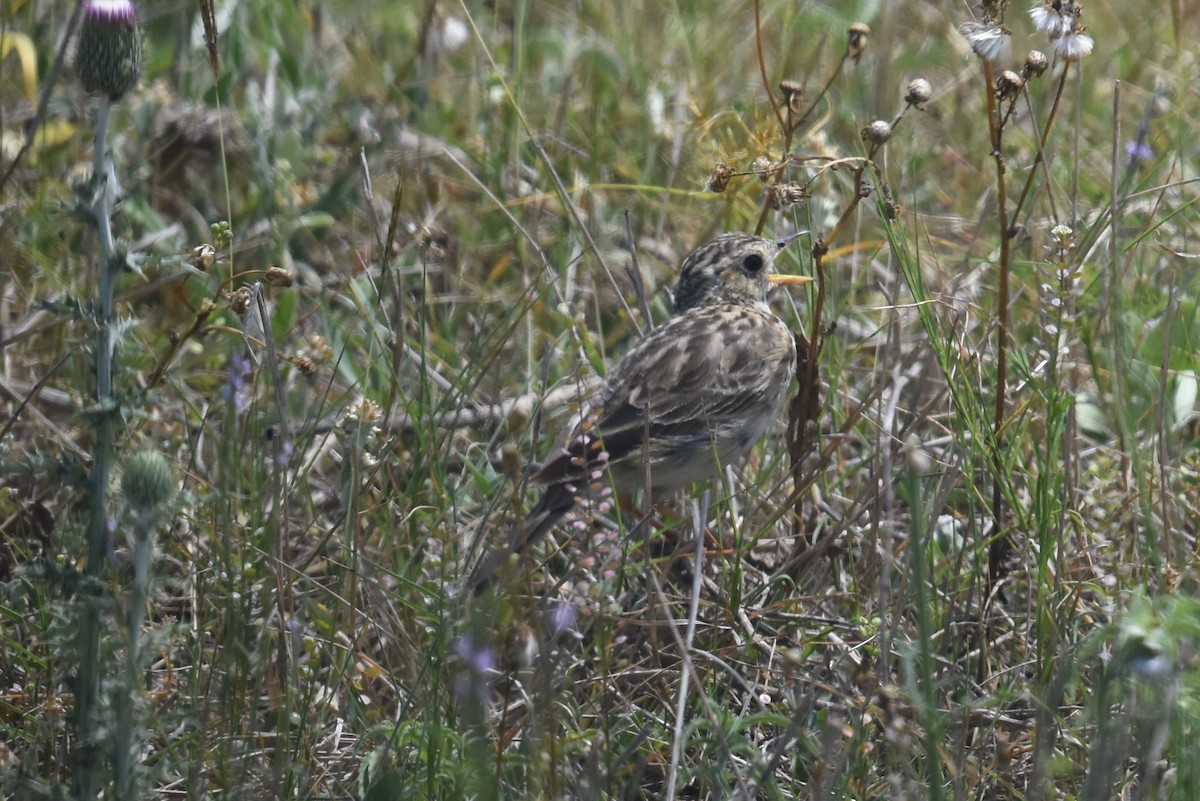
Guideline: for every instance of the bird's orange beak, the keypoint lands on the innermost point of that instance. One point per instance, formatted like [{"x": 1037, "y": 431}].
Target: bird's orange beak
[{"x": 779, "y": 279}]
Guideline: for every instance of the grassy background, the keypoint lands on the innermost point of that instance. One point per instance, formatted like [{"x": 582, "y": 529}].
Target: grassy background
[{"x": 455, "y": 190}]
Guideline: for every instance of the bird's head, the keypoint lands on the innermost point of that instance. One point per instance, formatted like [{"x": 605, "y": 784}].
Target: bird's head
[{"x": 733, "y": 268}]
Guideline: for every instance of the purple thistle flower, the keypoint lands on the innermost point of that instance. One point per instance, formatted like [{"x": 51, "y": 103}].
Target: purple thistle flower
[{"x": 109, "y": 58}]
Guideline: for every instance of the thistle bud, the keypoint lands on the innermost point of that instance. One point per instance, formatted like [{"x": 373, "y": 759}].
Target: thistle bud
[
  {"x": 109, "y": 58},
  {"x": 147, "y": 481}
]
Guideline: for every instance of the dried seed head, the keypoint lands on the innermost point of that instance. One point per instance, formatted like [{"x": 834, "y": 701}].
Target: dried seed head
[
  {"x": 786, "y": 195},
  {"x": 762, "y": 166},
  {"x": 318, "y": 350},
  {"x": 1008, "y": 85},
  {"x": 1035, "y": 64},
  {"x": 1074, "y": 46},
  {"x": 203, "y": 257},
  {"x": 1053, "y": 19},
  {"x": 239, "y": 300},
  {"x": 109, "y": 58},
  {"x": 987, "y": 40},
  {"x": 918, "y": 93},
  {"x": 767, "y": 169},
  {"x": 719, "y": 180},
  {"x": 856, "y": 41},
  {"x": 1062, "y": 245},
  {"x": 891, "y": 207},
  {"x": 362, "y": 411},
  {"x": 792, "y": 92},
  {"x": 877, "y": 132},
  {"x": 277, "y": 276},
  {"x": 1061, "y": 21}
]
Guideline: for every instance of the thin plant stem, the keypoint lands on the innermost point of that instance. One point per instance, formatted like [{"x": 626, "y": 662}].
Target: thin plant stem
[
  {"x": 88, "y": 693},
  {"x": 798, "y": 439},
  {"x": 143, "y": 551},
  {"x": 1040, "y": 158},
  {"x": 1001, "y": 547}
]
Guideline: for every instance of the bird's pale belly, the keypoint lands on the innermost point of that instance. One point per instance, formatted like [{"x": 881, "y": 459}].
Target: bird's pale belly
[{"x": 678, "y": 462}]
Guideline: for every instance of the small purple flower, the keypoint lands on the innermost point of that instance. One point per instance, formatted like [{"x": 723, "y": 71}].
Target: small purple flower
[
  {"x": 478, "y": 667},
  {"x": 286, "y": 449},
  {"x": 562, "y": 619},
  {"x": 296, "y": 629},
  {"x": 1138, "y": 151},
  {"x": 238, "y": 390}
]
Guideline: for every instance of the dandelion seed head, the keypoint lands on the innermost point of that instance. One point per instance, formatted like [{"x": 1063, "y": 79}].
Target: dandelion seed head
[
  {"x": 1074, "y": 46},
  {"x": 987, "y": 40},
  {"x": 1048, "y": 20}
]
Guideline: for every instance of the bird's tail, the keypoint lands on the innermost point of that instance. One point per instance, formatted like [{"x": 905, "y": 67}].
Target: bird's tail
[{"x": 556, "y": 501}]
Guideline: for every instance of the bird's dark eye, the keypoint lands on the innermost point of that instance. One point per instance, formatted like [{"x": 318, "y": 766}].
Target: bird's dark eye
[{"x": 752, "y": 263}]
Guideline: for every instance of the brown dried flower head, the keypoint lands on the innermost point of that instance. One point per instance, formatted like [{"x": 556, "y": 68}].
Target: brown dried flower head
[
  {"x": 877, "y": 132},
  {"x": 239, "y": 300},
  {"x": 1008, "y": 85},
  {"x": 719, "y": 180},
  {"x": 786, "y": 195},
  {"x": 856, "y": 41},
  {"x": 918, "y": 93},
  {"x": 792, "y": 93},
  {"x": 767, "y": 169},
  {"x": 762, "y": 166},
  {"x": 277, "y": 276},
  {"x": 203, "y": 257},
  {"x": 1035, "y": 64}
]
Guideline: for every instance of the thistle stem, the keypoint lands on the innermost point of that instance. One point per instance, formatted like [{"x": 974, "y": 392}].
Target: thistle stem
[{"x": 87, "y": 698}]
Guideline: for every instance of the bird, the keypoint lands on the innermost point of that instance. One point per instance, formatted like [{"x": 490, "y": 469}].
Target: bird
[{"x": 689, "y": 398}]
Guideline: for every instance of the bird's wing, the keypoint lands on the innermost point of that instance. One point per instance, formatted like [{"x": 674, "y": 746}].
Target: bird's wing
[{"x": 696, "y": 374}]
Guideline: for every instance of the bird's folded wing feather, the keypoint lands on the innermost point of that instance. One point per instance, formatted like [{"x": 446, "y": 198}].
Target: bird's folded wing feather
[{"x": 684, "y": 379}]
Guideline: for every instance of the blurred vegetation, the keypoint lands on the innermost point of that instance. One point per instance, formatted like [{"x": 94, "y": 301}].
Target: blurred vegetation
[{"x": 439, "y": 206}]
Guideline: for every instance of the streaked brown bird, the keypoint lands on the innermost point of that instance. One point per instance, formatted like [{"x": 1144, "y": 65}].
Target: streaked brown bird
[{"x": 691, "y": 396}]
